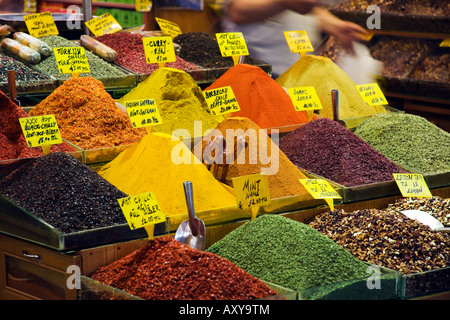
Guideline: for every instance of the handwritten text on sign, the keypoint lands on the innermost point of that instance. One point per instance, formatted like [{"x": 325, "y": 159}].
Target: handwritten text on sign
[
  {"x": 321, "y": 189},
  {"x": 40, "y": 24},
  {"x": 168, "y": 27},
  {"x": 232, "y": 44},
  {"x": 412, "y": 185},
  {"x": 221, "y": 101},
  {"x": 141, "y": 210},
  {"x": 298, "y": 41},
  {"x": 71, "y": 60},
  {"x": 144, "y": 5},
  {"x": 104, "y": 24},
  {"x": 372, "y": 94},
  {"x": 305, "y": 98},
  {"x": 40, "y": 130},
  {"x": 159, "y": 49},
  {"x": 251, "y": 191},
  {"x": 143, "y": 112}
]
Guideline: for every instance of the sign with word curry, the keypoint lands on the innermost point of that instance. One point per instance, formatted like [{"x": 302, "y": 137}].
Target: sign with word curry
[
  {"x": 141, "y": 210},
  {"x": 40, "y": 130},
  {"x": 159, "y": 49}
]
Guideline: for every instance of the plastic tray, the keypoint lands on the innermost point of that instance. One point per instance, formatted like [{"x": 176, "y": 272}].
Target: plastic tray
[{"x": 425, "y": 283}]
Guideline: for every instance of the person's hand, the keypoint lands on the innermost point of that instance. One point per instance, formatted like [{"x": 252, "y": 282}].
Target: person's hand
[{"x": 301, "y": 6}]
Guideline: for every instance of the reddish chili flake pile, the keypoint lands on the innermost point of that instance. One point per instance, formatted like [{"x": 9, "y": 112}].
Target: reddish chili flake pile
[
  {"x": 131, "y": 55},
  {"x": 165, "y": 269}
]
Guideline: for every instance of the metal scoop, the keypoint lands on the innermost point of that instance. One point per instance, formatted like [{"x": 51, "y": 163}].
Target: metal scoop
[
  {"x": 191, "y": 232},
  {"x": 427, "y": 219},
  {"x": 335, "y": 104}
]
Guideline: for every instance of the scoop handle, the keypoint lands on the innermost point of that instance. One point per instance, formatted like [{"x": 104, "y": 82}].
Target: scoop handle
[{"x": 189, "y": 195}]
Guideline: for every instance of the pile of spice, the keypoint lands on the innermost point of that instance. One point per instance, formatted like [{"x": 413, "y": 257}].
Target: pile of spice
[
  {"x": 328, "y": 149},
  {"x": 261, "y": 155},
  {"x": 165, "y": 269},
  {"x": 160, "y": 165},
  {"x": 324, "y": 75},
  {"x": 289, "y": 253},
  {"x": 260, "y": 98},
  {"x": 87, "y": 115},
  {"x": 409, "y": 140},
  {"x": 131, "y": 55},
  {"x": 436, "y": 206},
  {"x": 12, "y": 141},
  {"x": 65, "y": 193},
  {"x": 179, "y": 99},
  {"x": 434, "y": 67},
  {"x": 100, "y": 69},
  {"x": 23, "y": 73},
  {"x": 386, "y": 238}
]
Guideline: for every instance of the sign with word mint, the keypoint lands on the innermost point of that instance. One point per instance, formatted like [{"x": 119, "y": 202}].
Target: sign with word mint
[
  {"x": 305, "y": 98},
  {"x": 232, "y": 44},
  {"x": 143, "y": 113},
  {"x": 298, "y": 41},
  {"x": 40, "y": 130},
  {"x": 71, "y": 60},
  {"x": 159, "y": 49},
  {"x": 40, "y": 24},
  {"x": 412, "y": 185},
  {"x": 372, "y": 94},
  {"x": 104, "y": 24},
  {"x": 251, "y": 191},
  {"x": 141, "y": 210},
  {"x": 221, "y": 100}
]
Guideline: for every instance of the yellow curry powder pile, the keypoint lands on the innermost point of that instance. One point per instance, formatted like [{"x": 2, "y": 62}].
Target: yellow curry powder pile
[
  {"x": 87, "y": 115},
  {"x": 261, "y": 154},
  {"x": 324, "y": 75},
  {"x": 154, "y": 165},
  {"x": 179, "y": 99}
]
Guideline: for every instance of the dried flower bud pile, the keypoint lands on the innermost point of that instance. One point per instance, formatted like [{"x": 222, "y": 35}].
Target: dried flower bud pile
[{"x": 387, "y": 239}]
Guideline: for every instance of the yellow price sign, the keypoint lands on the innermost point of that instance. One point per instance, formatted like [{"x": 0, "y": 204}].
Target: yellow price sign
[
  {"x": 141, "y": 210},
  {"x": 104, "y": 24},
  {"x": 232, "y": 44},
  {"x": 159, "y": 49},
  {"x": 372, "y": 94},
  {"x": 305, "y": 99},
  {"x": 221, "y": 100},
  {"x": 40, "y": 24},
  {"x": 143, "y": 113},
  {"x": 252, "y": 192},
  {"x": 143, "y": 5},
  {"x": 321, "y": 189},
  {"x": 298, "y": 41},
  {"x": 169, "y": 28},
  {"x": 40, "y": 130},
  {"x": 71, "y": 60},
  {"x": 412, "y": 185}
]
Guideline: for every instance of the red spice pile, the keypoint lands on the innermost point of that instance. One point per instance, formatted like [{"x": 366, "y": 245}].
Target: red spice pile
[
  {"x": 12, "y": 141},
  {"x": 165, "y": 269},
  {"x": 131, "y": 54}
]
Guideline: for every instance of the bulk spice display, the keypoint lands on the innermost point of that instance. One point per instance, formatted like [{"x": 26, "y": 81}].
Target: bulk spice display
[
  {"x": 179, "y": 100},
  {"x": 324, "y": 75},
  {"x": 165, "y": 269},
  {"x": 23, "y": 73},
  {"x": 148, "y": 166},
  {"x": 409, "y": 140},
  {"x": 87, "y": 115},
  {"x": 65, "y": 193},
  {"x": 260, "y": 98},
  {"x": 328, "y": 149}
]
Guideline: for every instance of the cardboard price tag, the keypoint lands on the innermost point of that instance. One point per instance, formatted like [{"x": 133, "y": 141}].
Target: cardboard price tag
[
  {"x": 305, "y": 99},
  {"x": 298, "y": 41},
  {"x": 321, "y": 189},
  {"x": 372, "y": 94},
  {"x": 144, "y": 5},
  {"x": 71, "y": 60},
  {"x": 159, "y": 50},
  {"x": 412, "y": 185},
  {"x": 232, "y": 44},
  {"x": 169, "y": 28},
  {"x": 104, "y": 24},
  {"x": 221, "y": 101},
  {"x": 40, "y": 24},
  {"x": 40, "y": 130},
  {"x": 143, "y": 113},
  {"x": 251, "y": 191}
]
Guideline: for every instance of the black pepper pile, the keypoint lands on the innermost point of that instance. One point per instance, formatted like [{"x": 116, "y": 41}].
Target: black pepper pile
[
  {"x": 328, "y": 149},
  {"x": 65, "y": 193}
]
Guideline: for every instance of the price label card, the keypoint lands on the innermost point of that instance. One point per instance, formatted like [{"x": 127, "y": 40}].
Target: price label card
[
  {"x": 143, "y": 112},
  {"x": 159, "y": 49},
  {"x": 445, "y": 43},
  {"x": 40, "y": 130},
  {"x": 298, "y": 41},
  {"x": 412, "y": 185},
  {"x": 168, "y": 27},
  {"x": 305, "y": 98},
  {"x": 40, "y": 24},
  {"x": 71, "y": 60},
  {"x": 251, "y": 191},
  {"x": 141, "y": 210},
  {"x": 372, "y": 94},
  {"x": 232, "y": 44},
  {"x": 144, "y": 5},
  {"x": 321, "y": 189},
  {"x": 221, "y": 100},
  {"x": 104, "y": 24}
]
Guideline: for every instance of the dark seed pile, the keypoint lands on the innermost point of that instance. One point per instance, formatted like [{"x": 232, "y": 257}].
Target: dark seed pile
[{"x": 65, "y": 193}]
